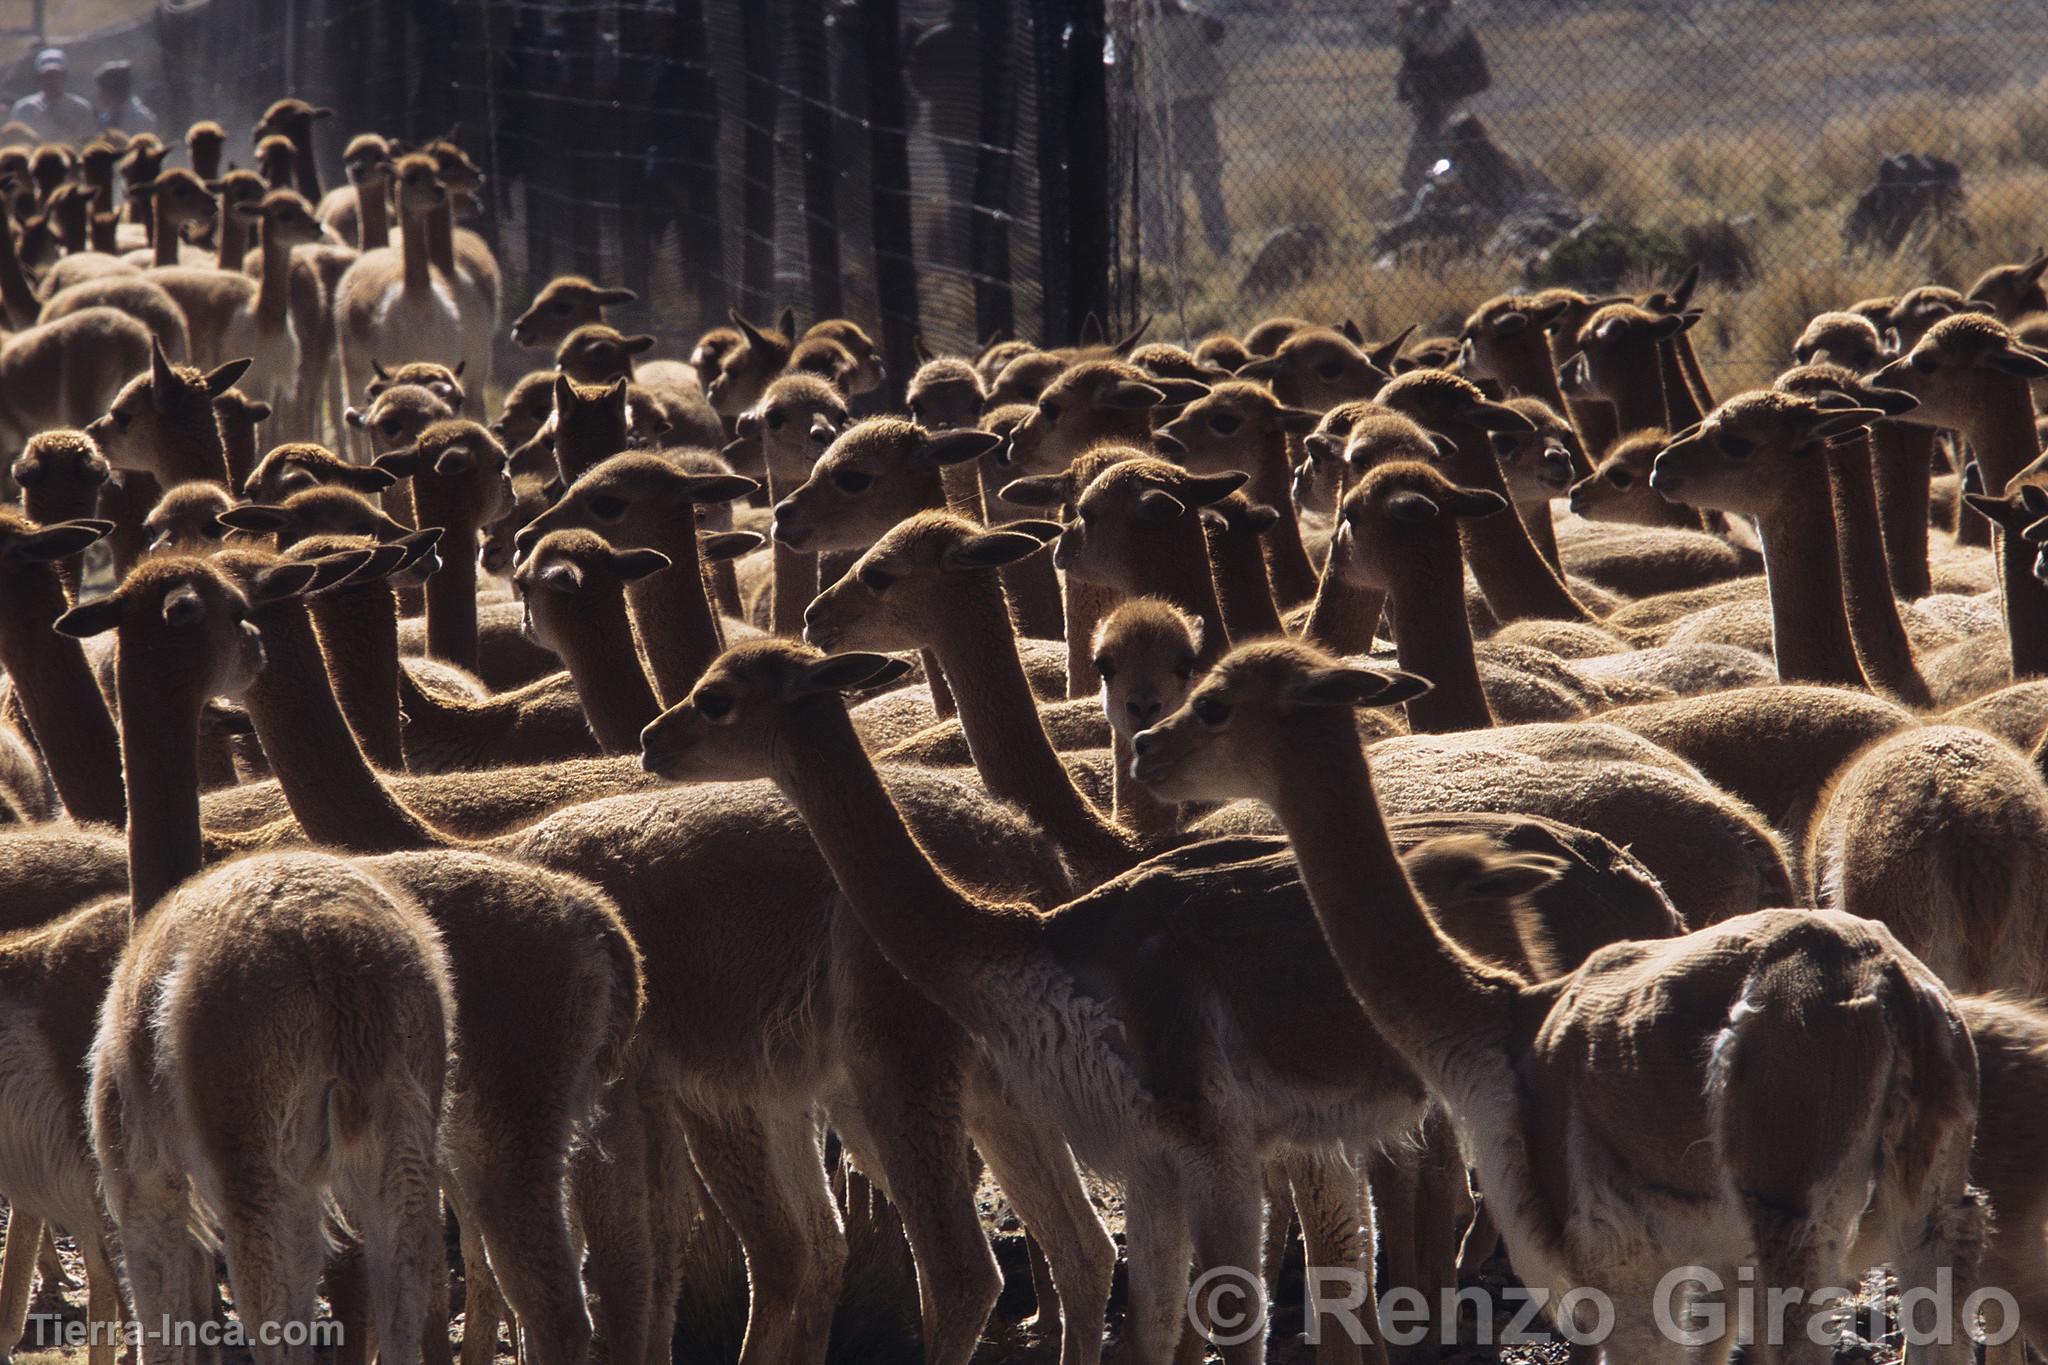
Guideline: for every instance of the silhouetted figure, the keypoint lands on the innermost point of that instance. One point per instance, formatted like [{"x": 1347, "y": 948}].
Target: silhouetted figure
[
  {"x": 1179, "y": 77},
  {"x": 1442, "y": 64}
]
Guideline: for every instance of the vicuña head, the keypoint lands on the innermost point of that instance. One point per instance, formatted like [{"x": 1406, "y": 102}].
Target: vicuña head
[{"x": 1264, "y": 699}]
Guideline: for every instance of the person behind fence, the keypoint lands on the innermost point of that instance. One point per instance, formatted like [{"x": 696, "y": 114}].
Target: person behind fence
[
  {"x": 113, "y": 88},
  {"x": 1442, "y": 64},
  {"x": 53, "y": 113},
  {"x": 1179, "y": 78}
]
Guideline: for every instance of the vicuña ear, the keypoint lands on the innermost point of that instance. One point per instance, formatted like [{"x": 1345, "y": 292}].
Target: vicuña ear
[
  {"x": 1413, "y": 508},
  {"x": 1837, "y": 421},
  {"x": 162, "y": 378},
  {"x": 1357, "y": 687},
  {"x": 259, "y": 517},
  {"x": 223, "y": 379},
  {"x": 1156, "y": 507},
  {"x": 844, "y": 672},
  {"x": 88, "y": 619},
  {"x": 1180, "y": 392},
  {"x": 1299, "y": 421},
  {"x": 1200, "y": 490},
  {"x": 2023, "y": 364},
  {"x": 1998, "y": 511},
  {"x": 1491, "y": 416},
  {"x": 280, "y": 581},
  {"x": 59, "y": 540},
  {"x": 720, "y": 546},
  {"x": 1382, "y": 356},
  {"x": 361, "y": 565},
  {"x": 455, "y": 460},
  {"x": 561, "y": 575},
  {"x": 418, "y": 548},
  {"x": 700, "y": 488},
  {"x": 364, "y": 478},
  {"x": 988, "y": 549},
  {"x": 1474, "y": 503},
  {"x": 1035, "y": 490},
  {"x": 631, "y": 565},
  {"x": 402, "y": 463},
  {"x": 608, "y": 297},
  {"x": 958, "y": 447},
  {"x": 1129, "y": 395}
]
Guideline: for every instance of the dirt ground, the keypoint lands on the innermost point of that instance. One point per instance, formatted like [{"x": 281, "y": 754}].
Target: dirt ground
[{"x": 877, "y": 1319}]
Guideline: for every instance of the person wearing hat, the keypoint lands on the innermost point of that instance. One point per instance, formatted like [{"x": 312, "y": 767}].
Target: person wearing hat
[
  {"x": 114, "y": 92},
  {"x": 53, "y": 113}
]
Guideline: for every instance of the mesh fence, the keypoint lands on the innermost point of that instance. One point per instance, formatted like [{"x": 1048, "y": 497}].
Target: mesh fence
[
  {"x": 960, "y": 167},
  {"x": 907, "y": 165},
  {"x": 1399, "y": 162}
]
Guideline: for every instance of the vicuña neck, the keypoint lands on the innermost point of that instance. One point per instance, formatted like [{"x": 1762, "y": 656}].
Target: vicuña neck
[
  {"x": 796, "y": 575},
  {"x": 231, "y": 242},
  {"x": 1518, "y": 583},
  {"x": 1882, "y": 645},
  {"x": 1175, "y": 566},
  {"x": 304, "y": 168},
  {"x": 1421, "y": 991},
  {"x": 1542, "y": 532},
  {"x": 164, "y": 238},
  {"x": 373, "y": 217},
  {"x": 1681, "y": 407},
  {"x": 451, "y": 596},
  {"x": 358, "y": 631},
  {"x": 928, "y": 928},
  {"x": 17, "y": 300},
  {"x": 597, "y": 646},
  {"x": 978, "y": 652},
  {"x": 274, "y": 290},
  {"x": 441, "y": 236},
  {"x": 1031, "y": 584},
  {"x": 1433, "y": 639},
  {"x": 678, "y": 630},
  {"x": 2001, "y": 434},
  {"x": 160, "y": 755},
  {"x": 1083, "y": 605},
  {"x": 328, "y": 783},
  {"x": 1639, "y": 403},
  {"x": 1345, "y": 615},
  {"x": 1900, "y": 461},
  {"x": 1272, "y": 483},
  {"x": 415, "y": 254},
  {"x": 188, "y": 446},
  {"x": 1592, "y": 418},
  {"x": 1244, "y": 594},
  {"x": 1694, "y": 374},
  {"x": 238, "y": 446},
  {"x": 61, "y": 698},
  {"x": 1809, "y": 625}
]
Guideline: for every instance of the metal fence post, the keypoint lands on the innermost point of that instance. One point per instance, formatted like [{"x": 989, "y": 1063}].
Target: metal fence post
[
  {"x": 821, "y": 175},
  {"x": 995, "y": 301},
  {"x": 888, "y": 129}
]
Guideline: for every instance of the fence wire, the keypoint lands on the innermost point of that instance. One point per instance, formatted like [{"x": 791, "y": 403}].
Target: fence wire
[
  {"x": 957, "y": 168},
  {"x": 1398, "y": 162}
]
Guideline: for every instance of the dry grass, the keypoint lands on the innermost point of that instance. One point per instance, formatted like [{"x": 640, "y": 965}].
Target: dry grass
[{"x": 1662, "y": 114}]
